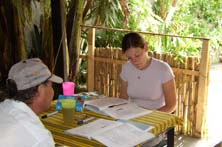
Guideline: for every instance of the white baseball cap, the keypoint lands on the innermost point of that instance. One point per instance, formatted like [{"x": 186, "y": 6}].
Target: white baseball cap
[{"x": 30, "y": 73}]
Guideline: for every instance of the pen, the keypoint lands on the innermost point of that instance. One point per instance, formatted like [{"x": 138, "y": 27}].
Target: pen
[
  {"x": 49, "y": 114},
  {"x": 117, "y": 105},
  {"x": 85, "y": 120}
]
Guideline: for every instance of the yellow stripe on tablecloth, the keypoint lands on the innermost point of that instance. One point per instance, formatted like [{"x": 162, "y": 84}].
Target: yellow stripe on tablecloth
[
  {"x": 178, "y": 120},
  {"x": 75, "y": 142},
  {"x": 161, "y": 121},
  {"x": 72, "y": 140}
]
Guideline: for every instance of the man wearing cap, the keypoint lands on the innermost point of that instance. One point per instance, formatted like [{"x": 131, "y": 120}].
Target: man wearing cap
[{"x": 30, "y": 93}]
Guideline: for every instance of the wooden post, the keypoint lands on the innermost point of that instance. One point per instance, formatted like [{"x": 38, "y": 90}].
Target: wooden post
[
  {"x": 203, "y": 90},
  {"x": 91, "y": 52}
]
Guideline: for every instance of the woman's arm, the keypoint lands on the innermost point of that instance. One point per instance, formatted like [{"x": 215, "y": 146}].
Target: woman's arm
[
  {"x": 169, "y": 90},
  {"x": 123, "y": 90}
]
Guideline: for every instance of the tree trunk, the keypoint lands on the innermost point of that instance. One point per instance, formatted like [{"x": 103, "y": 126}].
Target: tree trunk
[
  {"x": 20, "y": 39},
  {"x": 74, "y": 44},
  {"x": 12, "y": 41},
  {"x": 125, "y": 9},
  {"x": 57, "y": 37}
]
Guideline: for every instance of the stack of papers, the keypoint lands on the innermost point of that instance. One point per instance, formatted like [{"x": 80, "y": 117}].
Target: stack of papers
[
  {"x": 116, "y": 108},
  {"x": 112, "y": 133}
]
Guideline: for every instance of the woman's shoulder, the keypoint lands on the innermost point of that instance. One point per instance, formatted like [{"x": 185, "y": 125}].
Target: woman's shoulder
[
  {"x": 160, "y": 63},
  {"x": 128, "y": 64}
]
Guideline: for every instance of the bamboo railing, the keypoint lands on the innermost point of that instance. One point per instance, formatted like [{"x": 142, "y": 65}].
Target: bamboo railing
[{"x": 191, "y": 76}]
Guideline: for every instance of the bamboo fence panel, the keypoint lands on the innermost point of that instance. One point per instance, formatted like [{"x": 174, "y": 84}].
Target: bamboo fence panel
[
  {"x": 107, "y": 81},
  {"x": 97, "y": 73}
]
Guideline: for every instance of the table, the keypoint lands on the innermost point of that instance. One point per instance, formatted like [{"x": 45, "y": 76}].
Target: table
[{"x": 162, "y": 122}]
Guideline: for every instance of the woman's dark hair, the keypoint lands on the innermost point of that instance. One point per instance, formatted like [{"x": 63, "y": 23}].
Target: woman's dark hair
[
  {"x": 132, "y": 40},
  {"x": 25, "y": 96}
]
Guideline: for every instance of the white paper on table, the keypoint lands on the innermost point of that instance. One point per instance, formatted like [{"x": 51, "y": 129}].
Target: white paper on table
[
  {"x": 95, "y": 127},
  {"x": 125, "y": 135}
]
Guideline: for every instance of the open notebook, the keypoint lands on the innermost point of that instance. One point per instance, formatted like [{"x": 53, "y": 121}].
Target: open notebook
[
  {"x": 112, "y": 133},
  {"x": 116, "y": 108},
  {"x": 104, "y": 103}
]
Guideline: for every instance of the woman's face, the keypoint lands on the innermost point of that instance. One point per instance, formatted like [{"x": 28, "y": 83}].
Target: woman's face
[{"x": 137, "y": 56}]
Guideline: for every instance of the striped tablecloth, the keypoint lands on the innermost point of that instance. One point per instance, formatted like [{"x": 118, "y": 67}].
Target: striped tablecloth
[{"x": 160, "y": 120}]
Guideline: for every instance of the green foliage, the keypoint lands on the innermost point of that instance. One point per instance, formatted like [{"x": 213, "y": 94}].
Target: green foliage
[
  {"x": 161, "y": 8},
  {"x": 108, "y": 38},
  {"x": 200, "y": 18},
  {"x": 81, "y": 77},
  {"x": 105, "y": 12},
  {"x": 142, "y": 17},
  {"x": 188, "y": 18}
]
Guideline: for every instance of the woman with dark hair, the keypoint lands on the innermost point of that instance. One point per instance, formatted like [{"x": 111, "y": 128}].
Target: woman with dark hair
[{"x": 146, "y": 81}]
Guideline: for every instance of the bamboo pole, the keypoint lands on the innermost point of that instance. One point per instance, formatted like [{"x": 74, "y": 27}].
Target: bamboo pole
[
  {"x": 203, "y": 89},
  {"x": 99, "y": 73},
  {"x": 97, "y": 77},
  {"x": 142, "y": 32},
  {"x": 90, "y": 65}
]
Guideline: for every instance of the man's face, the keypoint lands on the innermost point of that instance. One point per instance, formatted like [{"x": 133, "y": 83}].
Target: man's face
[{"x": 46, "y": 94}]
